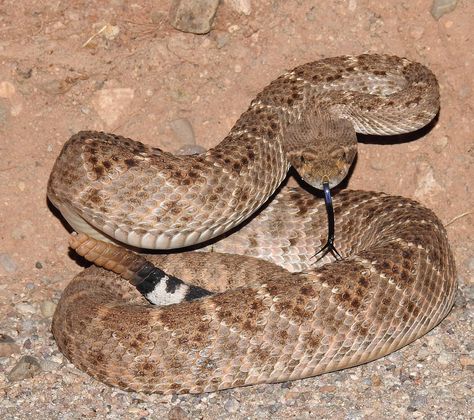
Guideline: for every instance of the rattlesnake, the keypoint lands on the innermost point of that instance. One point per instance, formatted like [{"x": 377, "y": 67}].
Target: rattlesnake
[{"x": 254, "y": 321}]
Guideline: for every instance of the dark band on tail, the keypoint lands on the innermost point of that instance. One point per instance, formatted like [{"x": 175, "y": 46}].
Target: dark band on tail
[{"x": 160, "y": 288}]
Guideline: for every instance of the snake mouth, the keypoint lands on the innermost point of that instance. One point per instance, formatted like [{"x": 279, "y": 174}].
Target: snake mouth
[
  {"x": 331, "y": 168},
  {"x": 332, "y": 177}
]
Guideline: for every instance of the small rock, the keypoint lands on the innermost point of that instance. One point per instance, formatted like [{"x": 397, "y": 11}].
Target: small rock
[
  {"x": 27, "y": 367},
  {"x": 25, "y": 308},
  {"x": 231, "y": 405},
  {"x": 27, "y": 344},
  {"x": 440, "y": 143},
  {"x": 445, "y": 359},
  {"x": 38, "y": 265},
  {"x": 241, "y": 6},
  {"x": 435, "y": 344},
  {"x": 327, "y": 388},
  {"x": 441, "y": 7},
  {"x": 24, "y": 72},
  {"x": 427, "y": 186},
  {"x": 352, "y": 5},
  {"x": 110, "y": 32},
  {"x": 193, "y": 16},
  {"x": 7, "y": 89},
  {"x": 58, "y": 86},
  {"x": 418, "y": 401},
  {"x": 49, "y": 366},
  {"x": 7, "y": 263},
  {"x": 177, "y": 413},
  {"x": 110, "y": 104},
  {"x": 233, "y": 28},
  {"x": 376, "y": 380},
  {"x": 467, "y": 362},
  {"x": 183, "y": 130},
  {"x": 8, "y": 346},
  {"x": 47, "y": 308}
]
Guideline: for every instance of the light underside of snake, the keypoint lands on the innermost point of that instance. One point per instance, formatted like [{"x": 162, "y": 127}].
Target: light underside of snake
[{"x": 279, "y": 316}]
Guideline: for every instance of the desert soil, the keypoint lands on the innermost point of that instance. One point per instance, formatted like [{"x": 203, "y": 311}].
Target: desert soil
[{"x": 119, "y": 66}]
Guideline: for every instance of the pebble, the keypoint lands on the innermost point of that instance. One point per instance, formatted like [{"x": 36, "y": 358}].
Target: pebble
[
  {"x": 56, "y": 86},
  {"x": 467, "y": 362},
  {"x": 441, "y": 7},
  {"x": 241, "y": 6},
  {"x": 25, "y": 308},
  {"x": 7, "y": 263},
  {"x": 376, "y": 380},
  {"x": 427, "y": 186},
  {"x": 193, "y": 16},
  {"x": 233, "y": 28},
  {"x": 47, "y": 308},
  {"x": 27, "y": 367},
  {"x": 231, "y": 405},
  {"x": 24, "y": 72},
  {"x": 183, "y": 131},
  {"x": 440, "y": 143},
  {"x": 418, "y": 401},
  {"x": 352, "y": 6},
  {"x": 327, "y": 389},
  {"x": 444, "y": 359},
  {"x": 27, "y": 344},
  {"x": 111, "y": 103},
  {"x": 7, "y": 89},
  {"x": 49, "y": 366},
  {"x": 435, "y": 344},
  {"x": 110, "y": 32},
  {"x": 8, "y": 346},
  {"x": 177, "y": 413}
]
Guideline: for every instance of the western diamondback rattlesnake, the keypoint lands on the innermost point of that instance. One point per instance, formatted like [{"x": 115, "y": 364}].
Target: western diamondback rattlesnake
[{"x": 263, "y": 323}]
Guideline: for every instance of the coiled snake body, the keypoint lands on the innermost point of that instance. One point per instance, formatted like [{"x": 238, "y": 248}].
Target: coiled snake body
[{"x": 264, "y": 322}]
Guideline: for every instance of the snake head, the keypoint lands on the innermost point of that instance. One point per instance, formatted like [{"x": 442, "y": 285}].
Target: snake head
[
  {"x": 321, "y": 147},
  {"x": 316, "y": 167}
]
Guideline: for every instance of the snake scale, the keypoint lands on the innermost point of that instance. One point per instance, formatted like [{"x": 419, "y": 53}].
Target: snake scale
[{"x": 271, "y": 312}]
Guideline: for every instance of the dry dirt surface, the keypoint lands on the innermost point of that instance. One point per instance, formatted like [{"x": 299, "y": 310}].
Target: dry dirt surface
[{"x": 119, "y": 66}]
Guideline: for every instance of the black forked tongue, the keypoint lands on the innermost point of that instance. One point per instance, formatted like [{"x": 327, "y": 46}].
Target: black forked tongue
[{"x": 329, "y": 247}]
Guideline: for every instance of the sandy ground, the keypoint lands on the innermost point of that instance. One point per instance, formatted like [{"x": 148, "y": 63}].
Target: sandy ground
[{"x": 135, "y": 78}]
